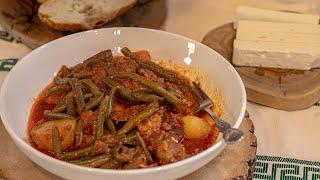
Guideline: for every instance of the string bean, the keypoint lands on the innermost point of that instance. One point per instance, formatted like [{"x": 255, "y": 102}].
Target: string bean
[
  {"x": 134, "y": 121},
  {"x": 79, "y": 132},
  {"x": 154, "y": 86},
  {"x": 56, "y": 141},
  {"x": 77, "y": 153},
  {"x": 144, "y": 147}
]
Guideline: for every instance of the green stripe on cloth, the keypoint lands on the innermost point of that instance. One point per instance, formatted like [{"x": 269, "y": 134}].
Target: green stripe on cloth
[
  {"x": 274, "y": 168},
  {"x": 7, "y": 64},
  {"x": 6, "y": 36}
]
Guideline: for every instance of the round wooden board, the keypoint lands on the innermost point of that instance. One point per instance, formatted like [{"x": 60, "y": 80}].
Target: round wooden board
[
  {"x": 235, "y": 162},
  {"x": 19, "y": 17},
  {"x": 278, "y": 88}
]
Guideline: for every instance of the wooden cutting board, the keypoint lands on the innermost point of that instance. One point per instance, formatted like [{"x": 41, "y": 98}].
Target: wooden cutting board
[
  {"x": 278, "y": 88},
  {"x": 237, "y": 161},
  {"x": 19, "y": 17}
]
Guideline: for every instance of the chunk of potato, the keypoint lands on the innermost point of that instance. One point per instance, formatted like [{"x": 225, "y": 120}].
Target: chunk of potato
[
  {"x": 41, "y": 135},
  {"x": 195, "y": 127}
]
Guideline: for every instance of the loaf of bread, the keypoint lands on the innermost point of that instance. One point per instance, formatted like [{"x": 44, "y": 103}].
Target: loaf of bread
[{"x": 77, "y": 15}]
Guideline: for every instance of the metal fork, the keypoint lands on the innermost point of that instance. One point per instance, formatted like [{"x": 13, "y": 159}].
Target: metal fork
[{"x": 230, "y": 135}]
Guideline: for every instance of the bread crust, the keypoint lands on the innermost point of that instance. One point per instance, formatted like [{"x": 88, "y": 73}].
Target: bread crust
[{"x": 74, "y": 27}]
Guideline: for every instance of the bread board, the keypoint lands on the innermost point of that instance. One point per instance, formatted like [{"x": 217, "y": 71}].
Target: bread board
[
  {"x": 19, "y": 18},
  {"x": 237, "y": 161},
  {"x": 278, "y": 88}
]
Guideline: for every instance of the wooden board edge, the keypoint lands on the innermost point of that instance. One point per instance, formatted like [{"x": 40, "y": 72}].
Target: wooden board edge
[{"x": 282, "y": 101}]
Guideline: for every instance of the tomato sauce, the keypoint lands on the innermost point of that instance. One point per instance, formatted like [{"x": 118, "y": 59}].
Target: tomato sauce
[{"x": 38, "y": 108}]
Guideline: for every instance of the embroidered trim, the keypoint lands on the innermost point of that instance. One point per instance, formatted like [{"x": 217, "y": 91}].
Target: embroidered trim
[
  {"x": 7, "y": 37},
  {"x": 274, "y": 168},
  {"x": 7, "y": 64}
]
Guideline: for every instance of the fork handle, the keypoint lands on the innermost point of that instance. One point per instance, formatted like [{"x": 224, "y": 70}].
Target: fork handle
[{"x": 223, "y": 126}]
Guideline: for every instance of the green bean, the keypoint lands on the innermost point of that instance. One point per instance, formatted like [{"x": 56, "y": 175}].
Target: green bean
[
  {"x": 111, "y": 99},
  {"x": 77, "y": 161},
  {"x": 134, "y": 95},
  {"x": 56, "y": 141},
  {"x": 92, "y": 86},
  {"x": 77, "y": 153},
  {"x": 134, "y": 121},
  {"x": 144, "y": 147},
  {"x": 53, "y": 115},
  {"x": 98, "y": 163},
  {"x": 82, "y": 74},
  {"x": 57, "y": 89},
  {"x": 87, "y": 96},
  {"x": 110, "y": 124},
  {"x": 77, "y": 68},
  {"x": 102, "y": 116},
  {"x": 146, "y": 97},
  {"x": 95, "y": 161},
  {"x": 154, "y": 86},
  {"x": 60, "y": 81},
  {"x": 78, "y": 95},
  {"x": 160, "y": 71},
  {"x": 125, "y": 93},
  {"x": 112, "y": 164},
  {"x": 171, "y": 76},
  {"x": 130, "y": 138},
  {"x": 66, "y": 71},
  {"x": 89, "y": 160},
  {"x": 60, "y": 107},
  {"x": 70, "y": 104},
  {"x": 94, "y": 102},
  {"x": 142, "y": 89},
  {"x": 102, "y": 56},
  {"x": 79, "y": 132}
]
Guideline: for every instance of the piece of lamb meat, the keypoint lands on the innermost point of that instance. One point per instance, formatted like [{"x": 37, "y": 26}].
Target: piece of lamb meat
[
  {"x": 124, "y": 115},
  {"x": 150, "y": 126},
  {"x": 139, "y": 161},
  {"x": 99, "y": 148},
  {"x": 88, "y": 118},
  {"x": 169, "y": 151},
  {"x": 151, "y": 76}
]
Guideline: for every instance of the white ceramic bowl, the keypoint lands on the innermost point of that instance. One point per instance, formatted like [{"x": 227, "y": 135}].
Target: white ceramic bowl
[{"x": 37, "y": 69}]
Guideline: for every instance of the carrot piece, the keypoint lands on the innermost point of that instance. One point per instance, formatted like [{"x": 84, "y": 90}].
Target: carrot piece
[{"x": 144, "y": 55}]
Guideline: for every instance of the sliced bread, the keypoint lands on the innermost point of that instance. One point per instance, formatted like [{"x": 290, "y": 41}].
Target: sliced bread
[{"x": 77, "y": 15}]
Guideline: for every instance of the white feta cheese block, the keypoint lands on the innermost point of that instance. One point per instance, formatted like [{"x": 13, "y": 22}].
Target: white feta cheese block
[
  {"x": 262, "y": 26},
  {"x": 278, "y": 32},
  {"x": 276, "y": 54},
  {"x": 251, "y": 13}
]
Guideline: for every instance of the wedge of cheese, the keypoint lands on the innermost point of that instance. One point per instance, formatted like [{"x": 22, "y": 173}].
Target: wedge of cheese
[
  {"x": 251, "y": 13},
  {"x": 258, "y": 26},
  {"x": 278, "y": 32},
  {"x": 277, "y": 45},
  {"x": 293, "y": 55}
]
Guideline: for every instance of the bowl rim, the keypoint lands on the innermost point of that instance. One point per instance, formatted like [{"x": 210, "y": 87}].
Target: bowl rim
[{"x": 26, "y": 146}]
